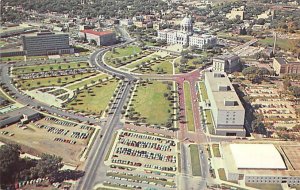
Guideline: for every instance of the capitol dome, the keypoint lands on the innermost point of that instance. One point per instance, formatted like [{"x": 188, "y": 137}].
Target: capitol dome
[{"x": 186, "y": 25}]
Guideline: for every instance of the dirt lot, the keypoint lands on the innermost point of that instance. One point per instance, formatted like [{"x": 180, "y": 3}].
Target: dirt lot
[
  {"x": 293, "y": 154},
  {"x": 38, "y": 138}
]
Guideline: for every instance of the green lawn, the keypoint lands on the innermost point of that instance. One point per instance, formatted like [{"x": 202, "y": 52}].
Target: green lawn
[
  {"x": 216, "y": 150},
  {"x": 95, "y": 99},
  {"x": 222, "y": 174},
  {"x": 2, "y": 43},
  {"x": 164, "y": 67},
  {"x": 13, "y": 58},
  {"x": 121, "y": 52},
  {"x": 203, "y": 91},
  {"x": 138, "y": 62},
  {"x": 151, "y": 103},
  {"x": 188, "y": 106},
  {"x": 50, "y": 81},
  {"x": 195, "y": 160},
  {"x": 87, "y": 81},
  {"x": 285, "y": 44},
  {"x": 47, "y": 67},
  {"x": 210, "y": 125},
  {"x": 189, "y": 66}
]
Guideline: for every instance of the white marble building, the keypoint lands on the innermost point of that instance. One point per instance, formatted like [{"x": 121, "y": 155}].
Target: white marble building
[{"x": 185, "y": 36}]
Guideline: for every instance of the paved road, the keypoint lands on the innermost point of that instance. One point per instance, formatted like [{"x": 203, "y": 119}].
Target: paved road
[
  {"x": 26, "y": 100},
  {"x": 95, "y": 168}
]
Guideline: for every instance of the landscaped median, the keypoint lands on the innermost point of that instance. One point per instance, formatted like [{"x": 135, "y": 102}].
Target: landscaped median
[
  {"x": 209, "y": 122},
  {"x": 188, "y": 107},
  {"x": 203, "y": 91},
  {"x": 195, "y": 160}
]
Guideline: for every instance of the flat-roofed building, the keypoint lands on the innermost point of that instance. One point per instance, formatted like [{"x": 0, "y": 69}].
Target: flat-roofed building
[
  {"x": 23, "y": 114},
  {"x": 46, "y": 43},
  {"x": 261, "y": 163},
  {"x": 227, "y": 110},
  {"x": 226, "y": 63},
  {"x": 281, "y": 66},
  {"x": 103, "y": 38}
]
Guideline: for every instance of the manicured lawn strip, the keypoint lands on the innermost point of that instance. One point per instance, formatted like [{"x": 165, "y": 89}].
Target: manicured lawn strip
[
  {"x": 111, "y": 146},
  {"x": 151, "y": 103},
  {"x": 140, "y": 178},
  {"x": 87, "y": 81},
  {"x": 13, "y": 58},
  {"x": 285, "y": 44},
  {"x": 195, "y": 160},
  {"x": 50, "y": 81},
  {"x": 188, "y": 106},
  {"x": 95, "y": 99},
  {"x": 222, "y": 174},
  {"x": 121, "y": 52},
  {"x": 47, "y": 67},
  {"x": 203, "y": 91},
  {"x": 216, "y": 150},
  {"x": 138, "y": 62},
  {"x": 209, "y": 121},
  {"x": 265, "y": 186}
]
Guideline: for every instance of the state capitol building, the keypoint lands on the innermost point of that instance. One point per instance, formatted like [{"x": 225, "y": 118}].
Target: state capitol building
[{"x": 185, "y": 36}]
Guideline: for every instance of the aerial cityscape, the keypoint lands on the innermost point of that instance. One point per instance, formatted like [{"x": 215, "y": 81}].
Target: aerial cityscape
[{"x": 150, "y": 94}]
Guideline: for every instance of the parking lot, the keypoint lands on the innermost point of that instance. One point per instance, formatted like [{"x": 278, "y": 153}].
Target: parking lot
[
  {"x": 50, "y": 135},
  {"x": 139, "y": 159},
  {"x": 276, "y": 109}
]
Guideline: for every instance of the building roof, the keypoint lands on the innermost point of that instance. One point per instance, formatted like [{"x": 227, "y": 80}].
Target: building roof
[
  {"x": 18, "y": 112},
  {"x": 281, "y": 60},
  {"x": 217, "y": 80},
  {"x": 228, "y": 56},
  {"x": 257, "y": 156},
  {"x": 96, "y": 32},
  {"x": 186, "y": 21}
]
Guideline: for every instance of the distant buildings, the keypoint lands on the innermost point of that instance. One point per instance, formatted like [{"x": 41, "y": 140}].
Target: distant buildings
[
  {"x": 227, "y": 110},
  {"x": 186, "y": 36},
  {"x": 226, "y": 63},
  {"x": 46, "y": 43},
  {"x": 281, "y": 66},
  {"x": 236, "y": 13},
  {"x": 103, "y": 38}
]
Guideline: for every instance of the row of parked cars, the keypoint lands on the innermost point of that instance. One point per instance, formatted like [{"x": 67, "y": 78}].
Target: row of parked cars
[
  {"x": 146, "y": 154},
  {"x": 64, "y": 140}
]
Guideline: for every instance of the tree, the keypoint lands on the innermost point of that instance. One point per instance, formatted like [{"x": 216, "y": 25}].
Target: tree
[
  {"x": 47, "y": 166},
  {"x": 9, "y": 159}
]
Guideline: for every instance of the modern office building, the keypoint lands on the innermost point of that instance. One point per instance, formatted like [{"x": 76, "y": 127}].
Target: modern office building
[
  {"x": 46, "y": 43},
  {"x": 261, "y": 163},
  {"x": 103, "y": 38},
  {"x": 226, "y": 63},
  {"x": 228, "y": 113},
  {"x": 185, "y": 36},
  {"x": 281, "y": 66}
]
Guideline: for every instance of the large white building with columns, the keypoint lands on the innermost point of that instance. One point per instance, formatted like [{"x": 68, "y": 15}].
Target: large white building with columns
[{"x": 185, "y": 36}]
